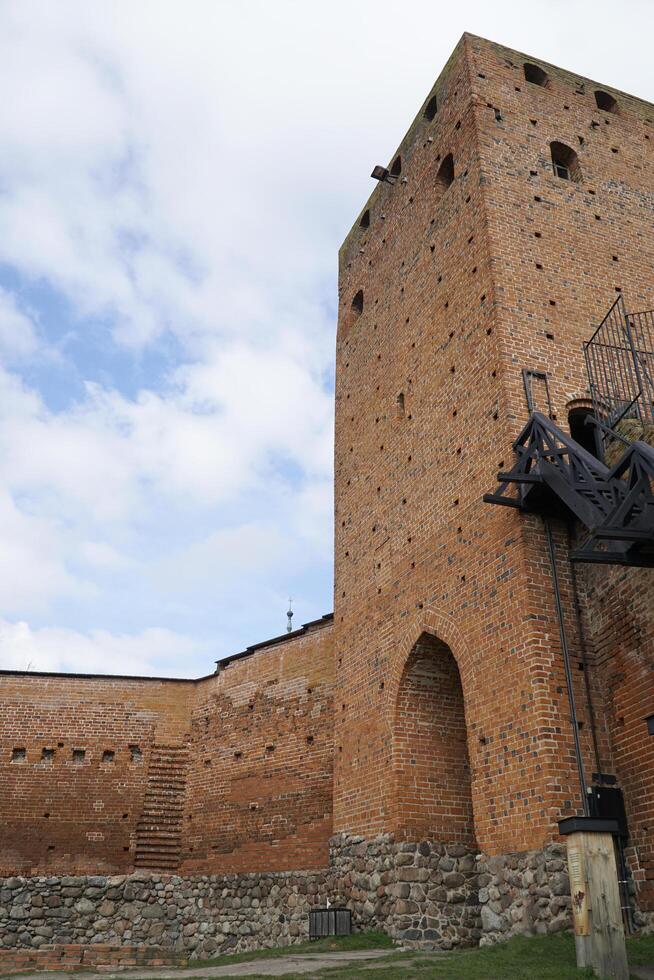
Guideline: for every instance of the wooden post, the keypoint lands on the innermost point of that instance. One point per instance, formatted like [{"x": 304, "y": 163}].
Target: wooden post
[{"x": 599, "y": 935}]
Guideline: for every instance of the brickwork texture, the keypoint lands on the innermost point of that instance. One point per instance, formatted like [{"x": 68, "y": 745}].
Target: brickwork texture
[{"x": 433, "y": 711}]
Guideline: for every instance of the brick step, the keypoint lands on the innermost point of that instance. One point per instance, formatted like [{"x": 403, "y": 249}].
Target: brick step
[
  {"x": 158, "y": 854},
  {"x": 175, "y": 782},
  {"x": 162, "y": 812},
  {"x": 168, "y": 767},
  {"x": 159, "y": 828},
  {"x": 164, "y": 790},
  {"x": 153, "y": 808},
  {"x": 150, "y": 814},
  {"x": 160, "y": 833},
  {"x": 162, "y": 808},
  {"x": 158, "y": 864},
  {"x": 158, "y": 792}
]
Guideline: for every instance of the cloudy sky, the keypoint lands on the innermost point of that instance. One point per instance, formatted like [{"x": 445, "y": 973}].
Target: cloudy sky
[{"x": 175, "y": 179}]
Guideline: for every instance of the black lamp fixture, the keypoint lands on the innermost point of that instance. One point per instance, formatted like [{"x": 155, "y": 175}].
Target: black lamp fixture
[{"x": 382, "y": 174}]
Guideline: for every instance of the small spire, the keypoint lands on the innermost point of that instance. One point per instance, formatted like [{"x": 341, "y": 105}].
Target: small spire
[{"x": 289, "y": 614}]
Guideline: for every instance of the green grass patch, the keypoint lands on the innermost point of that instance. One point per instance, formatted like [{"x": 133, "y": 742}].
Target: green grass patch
[
  {"x": 521, "y": 958},
  {"x": 640, "y": 951}
]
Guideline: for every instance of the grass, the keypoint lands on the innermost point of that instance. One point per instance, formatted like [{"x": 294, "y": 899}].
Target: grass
[{"x": 522, "y": 958}]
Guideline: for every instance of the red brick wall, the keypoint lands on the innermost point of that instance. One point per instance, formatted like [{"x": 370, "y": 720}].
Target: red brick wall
[
  {"x": 508, "y": 267},
  {"x": 63, "y": 815},
  {"x": 562, "y": 252},
  {"x": 619, "y": 621},
  {"x": 260, "y": 782},
  {"x": 430, "y": 752},
  {"x": 258, "y": 792},
  {"x": 71, "y": 957}
]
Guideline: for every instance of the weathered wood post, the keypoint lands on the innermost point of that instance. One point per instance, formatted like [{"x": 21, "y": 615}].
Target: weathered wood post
[{"x": 599, "y": 934}]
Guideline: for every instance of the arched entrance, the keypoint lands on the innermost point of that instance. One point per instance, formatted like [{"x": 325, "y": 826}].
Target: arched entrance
[{"x": 433, "y": 798}]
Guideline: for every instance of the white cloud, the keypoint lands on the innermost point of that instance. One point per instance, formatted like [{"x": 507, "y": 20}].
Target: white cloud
[
  {"x": 33, "y": 569},
  {"x": 154, "y": 651},
  {"x": 179, "y": 177},
  {"x": 17, "y": 330}
]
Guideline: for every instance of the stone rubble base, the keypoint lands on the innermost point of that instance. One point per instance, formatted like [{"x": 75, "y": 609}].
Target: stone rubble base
[{"x": 424, "y": 893}]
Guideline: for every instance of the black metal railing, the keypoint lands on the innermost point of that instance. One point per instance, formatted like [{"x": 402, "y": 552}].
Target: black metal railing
[
  {"x": 620, "y": 365},
  {"x": 616, "y": 504}
]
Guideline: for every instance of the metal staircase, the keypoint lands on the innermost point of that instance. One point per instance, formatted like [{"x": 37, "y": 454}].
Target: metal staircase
[
  {"x": 613, "y": 497},
  {"x": 554, "y": 475}
]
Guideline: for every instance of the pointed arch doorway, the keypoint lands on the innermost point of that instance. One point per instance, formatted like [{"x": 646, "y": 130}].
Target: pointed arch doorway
[{"x": 433, "y": 797}]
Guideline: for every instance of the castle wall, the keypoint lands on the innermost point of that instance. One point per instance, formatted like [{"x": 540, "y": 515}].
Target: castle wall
[
  {"x": 408, "y": 494},
  {"x": 509, "y": 267},
  {"x": 431, "y": 722},
  {"x": 65, "y": 806},
  {"x": 229, "y": 773},
  {"x": 417, "y": 891},
  {"x": 619, "y": 624},
  {"x": 563, "y": 251},
  {"x": 260, "y": 783}
]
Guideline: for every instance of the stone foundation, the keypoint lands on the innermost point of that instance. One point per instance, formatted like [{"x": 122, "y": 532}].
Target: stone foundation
[
  {"x": 417, "y": 892},
  {"x": 524, "y": 893},
  {"x": 443, "y": 895},
  {"x": 199, "y": 916}
]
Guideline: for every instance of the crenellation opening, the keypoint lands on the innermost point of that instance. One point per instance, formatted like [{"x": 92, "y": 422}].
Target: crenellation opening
[
  {"x": 431, "y": 108},
  {"x": 605, "y": 101},
  {"x": 536, "y": 75}
]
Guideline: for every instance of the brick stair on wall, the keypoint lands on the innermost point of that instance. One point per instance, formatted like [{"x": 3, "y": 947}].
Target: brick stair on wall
[{"x": 159, "y": 829}]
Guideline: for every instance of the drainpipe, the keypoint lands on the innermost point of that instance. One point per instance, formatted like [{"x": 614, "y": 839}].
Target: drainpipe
[{"x": 566, "y": 663}]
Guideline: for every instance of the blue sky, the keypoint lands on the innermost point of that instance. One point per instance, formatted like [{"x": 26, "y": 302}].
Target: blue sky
[{"x": 175, "y": 180}]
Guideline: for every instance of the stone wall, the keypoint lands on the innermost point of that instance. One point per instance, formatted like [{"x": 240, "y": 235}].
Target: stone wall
[
  {"x": 417, "y": 892},
  {"x": 524, "y": 893},
  {"x": 201, "y": 916},
  {"x": 443, "y": 895}
]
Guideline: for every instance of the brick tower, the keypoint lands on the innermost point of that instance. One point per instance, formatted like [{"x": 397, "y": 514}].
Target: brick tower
[{"x": 517, "y": 208}]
